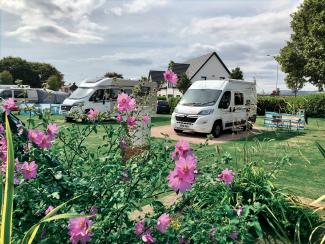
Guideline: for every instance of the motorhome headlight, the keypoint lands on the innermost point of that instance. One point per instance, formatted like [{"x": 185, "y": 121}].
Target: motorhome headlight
[
  {"x": 206, "y": 112},
  {"x": 78, "y": 104}
]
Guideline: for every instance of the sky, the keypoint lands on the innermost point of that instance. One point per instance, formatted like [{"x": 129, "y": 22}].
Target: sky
[{"x": 87, "y": 38}]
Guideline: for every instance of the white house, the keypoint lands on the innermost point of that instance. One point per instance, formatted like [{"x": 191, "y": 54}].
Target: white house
[{"x": 206, "y": 67}]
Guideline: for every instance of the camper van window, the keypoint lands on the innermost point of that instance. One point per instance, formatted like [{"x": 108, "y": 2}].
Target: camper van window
[
  {"x": 225, "y": 100},
  {"x": 114, "y": 93},
  {"x": 6, "y": 94},
  {"x": 98, "y": 96},
  {"x": 239, "y": 98},
  {"x": 128, "y": 91},
  {"x": 81, "y": 92},
  {"x": 19, "y": 94},
  {"x": 200, "y": 97}
]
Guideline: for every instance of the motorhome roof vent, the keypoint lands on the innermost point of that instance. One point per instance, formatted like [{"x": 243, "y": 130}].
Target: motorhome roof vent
[{"x": 94, "y": 81}]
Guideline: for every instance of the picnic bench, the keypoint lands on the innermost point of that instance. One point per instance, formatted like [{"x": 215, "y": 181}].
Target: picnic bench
[{"x": 285, "y": 121}]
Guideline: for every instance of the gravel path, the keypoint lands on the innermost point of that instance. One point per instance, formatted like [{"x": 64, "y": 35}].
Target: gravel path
[{"x": 161, "y": 131}]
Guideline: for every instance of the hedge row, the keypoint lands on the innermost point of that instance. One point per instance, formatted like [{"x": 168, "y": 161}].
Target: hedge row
[{"x": 314, "y": 104}]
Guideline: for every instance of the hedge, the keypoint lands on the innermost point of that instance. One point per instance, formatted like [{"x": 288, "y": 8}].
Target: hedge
[{"x": 314, "y": 104}]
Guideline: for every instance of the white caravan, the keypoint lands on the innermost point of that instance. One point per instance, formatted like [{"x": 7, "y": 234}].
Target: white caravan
[
  {"x": 99, "y": 94},
  {"x": 211, "y": 106}
]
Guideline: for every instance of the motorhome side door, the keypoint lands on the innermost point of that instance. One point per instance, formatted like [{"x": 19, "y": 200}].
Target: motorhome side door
[
  {"x": 98, "y": 101},
  {"x": 239, "y": 109},
  {"x": 225, "y": 107}
]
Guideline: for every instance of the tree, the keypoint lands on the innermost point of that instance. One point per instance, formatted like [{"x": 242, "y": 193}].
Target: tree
[
  {"x": 294, "y": 83},
  {"x": 6, "y": 78},
  {"x": 113, "y": 75},
  {"x": 183, "y": 83},
  {"x": 171, "y": 65},
  {"x": 31, "y": 73},
  {"x": 303, "y": 57},
  {"x": 237, "y": 74},
  {"x": 54, "y": 83}
]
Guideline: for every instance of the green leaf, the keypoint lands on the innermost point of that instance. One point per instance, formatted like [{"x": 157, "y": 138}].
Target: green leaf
[
  {"x": 7, "y": 208},
  {"x": 31, "y": 233},
  {"x": 320, "y": 148},
  {"x": 258, "y": 229}
]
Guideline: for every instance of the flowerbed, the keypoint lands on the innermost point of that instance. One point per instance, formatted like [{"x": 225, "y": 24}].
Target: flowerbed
[{"x": 66, "y": 192}]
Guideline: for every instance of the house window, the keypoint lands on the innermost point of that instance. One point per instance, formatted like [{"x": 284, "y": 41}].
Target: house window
[
  {"x": 203, "y": 77},
  {"x": 239, "y": 98}
]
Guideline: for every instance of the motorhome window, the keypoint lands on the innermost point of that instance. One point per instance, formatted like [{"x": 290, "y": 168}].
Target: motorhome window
[
  {"x": 114, "y": 93},
  {"x": 200, "y": 97},
  {"x": 239, "y": 98},
  {"x": 128, "y": 91},
  {"x": 203, "y": 77},
  {"x": 81, "y": 92},
  {"x": 6, "y": 94},
  {"x": 98, "y": 96},
  {"x": 19, "y": 93},
  {"x": 225, "y": 100}
]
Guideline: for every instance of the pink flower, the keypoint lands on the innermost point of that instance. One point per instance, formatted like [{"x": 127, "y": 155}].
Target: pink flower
[
  {"x": 43, "y": 140},
  {"x": 234, "y": 235},
  {"x": 177, "y": 182},
  {"x": 226, "y": 176},
  {"x": 49, "y": 209},
  {"x": 92, "y": 114},
  {"x": 131, "y": 121},
  {"x": 17, "y": 169},
  {"x": 79, "y": 230},
  {"x": 139, "y": 228},
  {"x": 3, "y": 149},
  {"x": 2, "y": 129},
  {"x": 146, "y": 119},
  {"x": 186, "y": 167},
  {"x": 119, "y": 118},
  {"x": 170, "y": 76},
  {"x": 211, "y": 233},
  {"x": 125, "y": 103},
  {"x": 29, "y": 171},
  {"x": 147, "y": 237},
  {"x": 32, "y": 135},
  {"x": 182, "y": 148},
  {"x": 163, "y": 223},
  {"x": 9, "y": 105},
  {"x": 52, "y": 130}
]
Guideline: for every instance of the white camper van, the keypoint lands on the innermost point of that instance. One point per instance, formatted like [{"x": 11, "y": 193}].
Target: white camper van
[
  {"x": 99, "y": 94},
  {"x": 211, "y": 106}
]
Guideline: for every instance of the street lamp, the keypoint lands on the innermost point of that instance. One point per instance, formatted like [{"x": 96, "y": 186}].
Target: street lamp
[{"x": 277, "y": 71}]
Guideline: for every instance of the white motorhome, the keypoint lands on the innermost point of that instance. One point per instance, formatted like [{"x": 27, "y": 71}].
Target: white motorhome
[
  {"x": 99, "y": 94},
  {"x": 211, "y": 106},
  {"x": 19, "y": 93}
]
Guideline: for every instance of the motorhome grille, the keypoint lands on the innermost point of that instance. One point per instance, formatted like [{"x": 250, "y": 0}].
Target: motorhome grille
[
  {"x": 65, "y": 108},
  {"x": 186, "y": 119}
]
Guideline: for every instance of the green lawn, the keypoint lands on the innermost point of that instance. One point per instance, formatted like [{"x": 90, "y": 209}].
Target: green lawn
[{"x": 304, "y": 172}]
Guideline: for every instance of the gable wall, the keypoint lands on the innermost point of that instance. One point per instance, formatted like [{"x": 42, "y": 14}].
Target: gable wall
[{"x": 213, "y": 70}]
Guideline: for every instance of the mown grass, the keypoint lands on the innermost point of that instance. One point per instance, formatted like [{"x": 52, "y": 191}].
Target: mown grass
[{"x": 303, "y": 173}]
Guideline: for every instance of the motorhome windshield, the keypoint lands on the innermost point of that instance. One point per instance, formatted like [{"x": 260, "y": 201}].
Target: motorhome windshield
[
  {"x": 200, "y": 97},
  {"x": 81, "y": 92}
]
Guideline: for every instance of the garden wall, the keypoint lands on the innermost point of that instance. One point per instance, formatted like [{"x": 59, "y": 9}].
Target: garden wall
[{"x": 314, "y": 104}]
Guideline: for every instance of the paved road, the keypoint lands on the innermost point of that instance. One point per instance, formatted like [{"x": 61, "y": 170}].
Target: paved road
[{"x": 160, "y": 131}]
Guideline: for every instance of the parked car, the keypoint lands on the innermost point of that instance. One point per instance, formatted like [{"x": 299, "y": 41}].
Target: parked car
[
  {"x": 211, "y": 106},
  {"x": 163, "y": 107}
]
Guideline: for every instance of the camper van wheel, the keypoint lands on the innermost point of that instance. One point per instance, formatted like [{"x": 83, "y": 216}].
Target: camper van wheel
[
  {"x": 216, "y": 129},
  {"x": 177, "y": 131}
]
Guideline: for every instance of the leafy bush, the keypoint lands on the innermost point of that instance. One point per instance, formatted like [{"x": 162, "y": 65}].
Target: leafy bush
[
  {"x": 173, "y": 101},
  {"x": 314, "y": 104},
  {"x": 114, "y": 179},
  {"x": 161, "y": 98}
]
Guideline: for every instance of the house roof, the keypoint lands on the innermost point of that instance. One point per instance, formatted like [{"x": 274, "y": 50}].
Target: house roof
[
  {"x": 197, "y": 63},
  {"x": 180, "y": 68},
  {"x": 191, "y": 67},
  {"x": 156, "y": 75}
]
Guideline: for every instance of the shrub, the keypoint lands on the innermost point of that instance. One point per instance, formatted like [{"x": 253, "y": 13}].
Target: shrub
[
  {"x": 314, "y": 104},
  {"x": 161, "y": 98},
  {"x": 173, "y": 101}
]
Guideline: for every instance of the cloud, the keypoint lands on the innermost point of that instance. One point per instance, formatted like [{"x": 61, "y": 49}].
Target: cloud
[
  {"x": 55, "y": 20},
  {"x": 138, "y": 6},
  {"x": 135, "y": 61}
]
